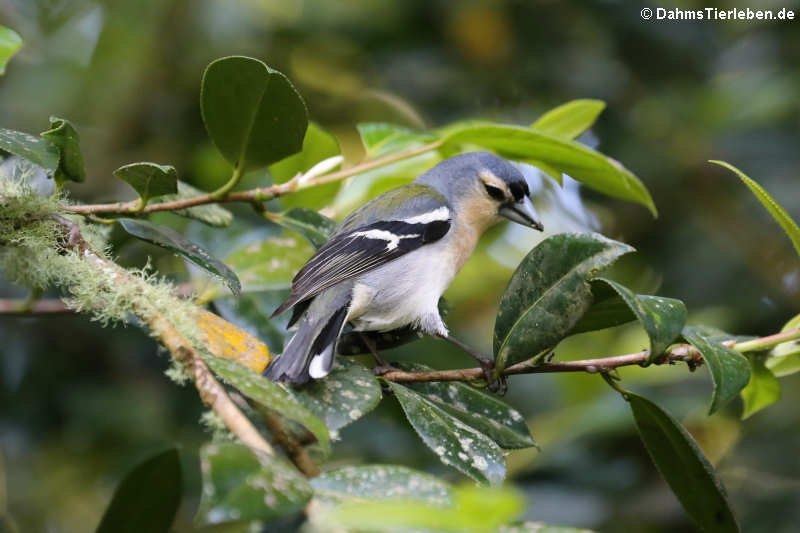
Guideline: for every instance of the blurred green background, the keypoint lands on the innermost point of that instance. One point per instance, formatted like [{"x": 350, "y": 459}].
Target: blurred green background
[{"x": 80, "y": 405}]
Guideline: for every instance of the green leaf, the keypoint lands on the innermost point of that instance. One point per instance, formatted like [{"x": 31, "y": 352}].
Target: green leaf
[
  {"x": 474, "y": 510},
  {"x": 175, "y": 242},
  {"x": 683, "y": 466},
  {"x": 588, "y": 166},
  {"x": 548, "y": 294},
  {"x": 318, "y": 146},
  {"x": 778, "y": 213},
  {"x": 149, "y": 180},
  {"x": 65, "y": 137},
  {"x": 37, "y": 150},
  {"x": 10, "y": 43},
  {"x": 380, "y": 482},
  {"x": 252, "y": 113},
  {"x": 477, "y": 409},
  {"x": 269, "y": 394},
  {"x": 762, "y": 390},
  {"x": 313, "y": 226},
  {"x": 729, "y": 369},
  {"x": 270, "y": 264},
  {"x": 662, "y": 318},
  {"x": 148, "y": 497},
  {"x": 571, "y": 119},
  {"x": 539, "y": 527},
  {"x": 458, "y": 445},
  {"x": 242, "y": 484},
  {"x": 380, "y": 138},
  {"x": 608, "y": 310},
  {"x": 211, "y": 214},
  {"x": 349, "y": 392}
]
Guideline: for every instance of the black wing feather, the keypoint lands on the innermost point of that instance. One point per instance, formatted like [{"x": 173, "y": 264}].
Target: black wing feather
[{"x": 354, "y": 252}]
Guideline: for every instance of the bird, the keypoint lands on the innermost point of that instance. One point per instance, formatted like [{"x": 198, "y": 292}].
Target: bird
[{"x": 386, "y": 265}]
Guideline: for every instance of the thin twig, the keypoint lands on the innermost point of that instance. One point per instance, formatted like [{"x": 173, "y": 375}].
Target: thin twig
[
  {"x": 680, "y": 353},
  {"x": 24, "y": 307},
  {"x": 260, "y": 194}
]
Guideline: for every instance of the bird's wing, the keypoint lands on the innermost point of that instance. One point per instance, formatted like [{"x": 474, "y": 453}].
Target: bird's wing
[{"x": 356, "y": 249}]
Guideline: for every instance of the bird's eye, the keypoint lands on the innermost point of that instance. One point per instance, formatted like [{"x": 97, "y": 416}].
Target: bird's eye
[{"x": 495, "y": 192}]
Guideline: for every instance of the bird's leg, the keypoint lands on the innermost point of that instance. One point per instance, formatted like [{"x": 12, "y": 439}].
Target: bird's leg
[
  {"x": 494, "y": 383},
  {"x": 381, "y": 366}
]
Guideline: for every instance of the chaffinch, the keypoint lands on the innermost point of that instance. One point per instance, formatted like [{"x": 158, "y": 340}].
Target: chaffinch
[{"x": 387, "y": 264}]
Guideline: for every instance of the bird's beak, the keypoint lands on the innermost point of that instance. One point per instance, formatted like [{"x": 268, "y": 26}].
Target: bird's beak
[{"x": 522, "y": 213}]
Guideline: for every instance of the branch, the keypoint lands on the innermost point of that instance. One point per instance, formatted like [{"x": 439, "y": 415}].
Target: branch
[
  {"x": 680, "y": 353},
  {"x": 258, "y": 195},
  {"x": 211, "y": 391},
  {"x": 27, "y": 307}
]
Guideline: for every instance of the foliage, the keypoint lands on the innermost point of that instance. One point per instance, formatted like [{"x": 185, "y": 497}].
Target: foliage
[{"x": 258, "y": 121}]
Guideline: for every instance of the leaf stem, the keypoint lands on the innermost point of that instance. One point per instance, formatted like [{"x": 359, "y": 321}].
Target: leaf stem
[{"x": 236, "y": 176}]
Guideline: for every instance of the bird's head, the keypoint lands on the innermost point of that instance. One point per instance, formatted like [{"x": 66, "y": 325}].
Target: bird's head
[{"x": 484, "y": 187}]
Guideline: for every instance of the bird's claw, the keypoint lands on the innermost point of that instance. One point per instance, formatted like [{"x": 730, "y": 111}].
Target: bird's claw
[
  {"x": 384, "y": 368},
  {"x": 494, "y": 383}
]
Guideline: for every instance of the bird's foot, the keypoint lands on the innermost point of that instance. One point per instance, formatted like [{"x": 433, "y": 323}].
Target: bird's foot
[
  {"x": 494, "y": 382},
  {"x": 384, "y": 368}
]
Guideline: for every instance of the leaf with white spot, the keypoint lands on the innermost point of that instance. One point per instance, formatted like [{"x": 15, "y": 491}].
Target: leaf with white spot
[
  {"x": 269, "y": 394},
  {"x": 270, "y": 264},
  {"x": 346, "y": 394},
  {"x": 457, "y": 445},
  {"x": 380, "y": 482},
  {"x": 479, "y": 410},
  {"x": 241, "y": 484}
]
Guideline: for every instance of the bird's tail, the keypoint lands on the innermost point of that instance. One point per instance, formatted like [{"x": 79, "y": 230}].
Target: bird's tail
[{"x": 310, "y": 352}]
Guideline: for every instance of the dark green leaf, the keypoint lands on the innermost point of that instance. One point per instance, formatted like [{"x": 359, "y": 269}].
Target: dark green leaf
[
  {"x": 271, "y": 263},
  {"x": 474, "y": 510},
  {"x": 662, "y": 318},
  {"x": 10, "y": 42},
  {"x": 571, "y": 119},
  {"x": 211, "y": 214},
  {"x": 147, "y": 499},
  {"x": 240, "y": 484},
  {"x": 65, "y": 137},
  {"x": 313, "y": 226},
  {"x": 477, "y": 409},
  {"x": 380, "y": 482},
  {"x": 729, "y": 369},
  {"x": 607, "y": 310},
  {"x": 175, "y": 242},
  {"x": 548, "y": 294},
  {"x": 458, "y": 445},
  {"x": 349, "y": 392},
  {"x": 252, "y": 113},
  {"x": 380, "y": 138},
  {"x": 778, "y": 213},
  {"x": 149, "y": 180},
  {"x": 591, "y": 168},
  {"x": 269, "y": 394},
  {"x": 683, "y": 466},
  {"x": 318, "y": 146},
  {"x": 37, "y": 150},
  {"x": 763, "y": 389}
]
